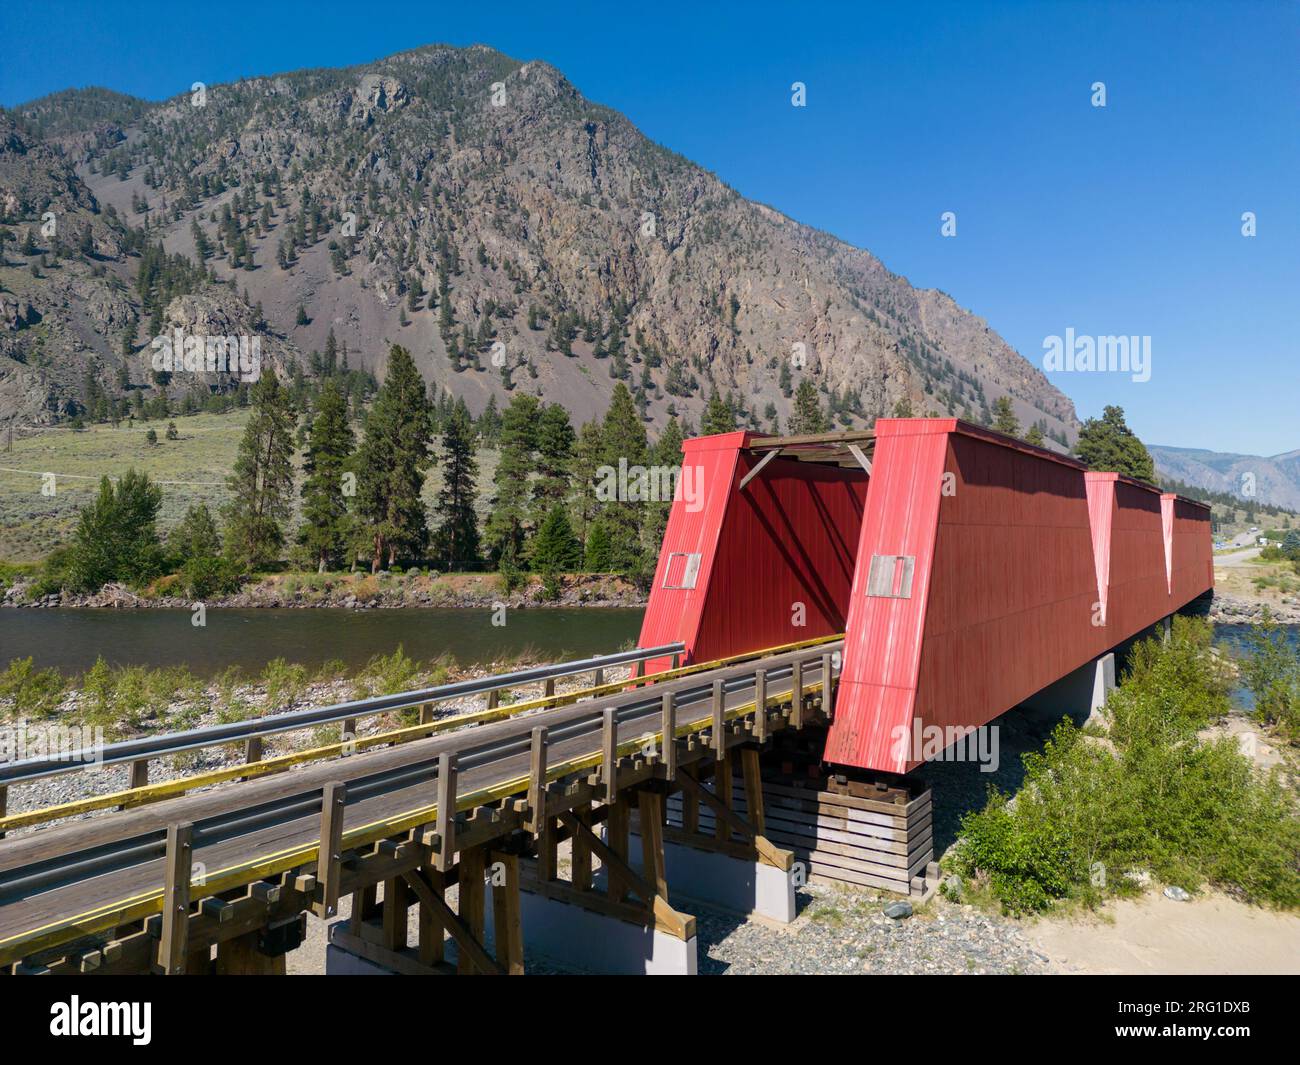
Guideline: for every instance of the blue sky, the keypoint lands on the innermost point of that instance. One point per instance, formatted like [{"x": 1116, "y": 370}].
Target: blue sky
[{"x": 1117, "y": 220}]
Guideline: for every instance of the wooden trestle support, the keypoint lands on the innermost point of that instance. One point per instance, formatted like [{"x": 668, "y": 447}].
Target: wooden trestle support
[{"x": 510, "y": 843}]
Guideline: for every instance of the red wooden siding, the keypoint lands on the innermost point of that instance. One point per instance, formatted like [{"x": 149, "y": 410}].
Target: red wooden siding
[
  {"x": 789, "y": 537},
  {"x": 1026, "y": 571}
]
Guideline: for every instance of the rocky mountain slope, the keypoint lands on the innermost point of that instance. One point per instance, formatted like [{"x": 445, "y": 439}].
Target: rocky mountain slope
[
  {"x": 1274, "y": 480},
  {"x": 477, "y": 210}
]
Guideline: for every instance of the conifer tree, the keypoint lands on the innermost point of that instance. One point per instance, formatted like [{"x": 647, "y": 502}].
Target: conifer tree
[
  {"x": 718, "y": 416},
  {"x": 456, "y": 541},
  {"x": 392, "y": 462},
  {"x": 624, "y": 445},
  {"x": 326, "y": 527},
  {"x": 261, "y": 483},
  {"x": 554, "y": 459},
  {"x": 807, "y": 416},
  {"x": 507, "y": 524},
  {"x": 1004, "y": 416},
  {"x": 555, "y": 549}
]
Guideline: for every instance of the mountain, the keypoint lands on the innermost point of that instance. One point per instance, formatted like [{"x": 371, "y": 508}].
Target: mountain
[
  {"x": 1275, "y": 480},
  {"x": 473, "y": 208}
]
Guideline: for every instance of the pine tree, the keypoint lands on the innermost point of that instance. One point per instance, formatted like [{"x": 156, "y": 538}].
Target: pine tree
[
  {"x": 554, "y": 459},
  {"x": 392, "y": 462},
  {"x": 599, "y": 556},
  {"x": 1035, "y": 434},
  {"x": 555, "y": 549},
  {"x": 261, "y": 484},
  {"x": 624, "y": 445},
  {"x": 1108, "y": 444},
  {"x": 1004, "y": 416},
  {"x": 666, "y": 454},
  {"x": 807, "y": 416},
  {"x": 456, "y": 541},
  {"x": 718, "y": 416},
  {"x": 507, "y": 524},
  {"x": 326, "y": 527},
  {"x": 588, "y": 451}
]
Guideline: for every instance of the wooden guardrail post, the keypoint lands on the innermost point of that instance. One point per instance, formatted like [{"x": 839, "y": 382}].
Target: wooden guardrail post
[
  {"x": 760, "y": 705},
  {"x": 329, "y": 867},
  {"x": 669, "y": 729},
  {"x": 173, "y": 946},
  {"x": 828, "y": 686},
  {"x": 796, "y": 693},
  {"x": 719, "y": 739},
  {"x": 609, "y": 757},
  {"x": 445, "y": 825}
]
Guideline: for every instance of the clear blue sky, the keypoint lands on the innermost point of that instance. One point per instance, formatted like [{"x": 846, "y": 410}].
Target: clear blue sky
[{"x": 1122, "y": 220}]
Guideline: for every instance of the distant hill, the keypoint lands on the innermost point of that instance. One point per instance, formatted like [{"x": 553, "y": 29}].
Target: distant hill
[
  {"x": 1276, "y": 478},
  {"x": 451, "y": 199}
]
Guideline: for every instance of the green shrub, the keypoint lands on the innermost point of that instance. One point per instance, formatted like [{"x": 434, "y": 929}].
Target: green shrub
[
  {"x": 1150, "y": 795},
  {"x": 284, "y": 682},
  {"x": 34, "y": 692},
  {"x": 1271, "y": 673}
]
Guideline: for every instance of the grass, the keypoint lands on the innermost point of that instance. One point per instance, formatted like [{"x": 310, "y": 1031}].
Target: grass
[
  {"x": 32, "y": 524},
  {"x": 129, "y": 700}
]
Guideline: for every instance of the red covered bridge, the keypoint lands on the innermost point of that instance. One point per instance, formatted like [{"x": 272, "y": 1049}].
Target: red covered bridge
[{"x": 968, "y": 570}]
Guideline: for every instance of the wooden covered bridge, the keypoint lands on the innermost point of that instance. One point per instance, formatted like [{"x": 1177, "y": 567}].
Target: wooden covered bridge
[{"x": 819, "y": 598}]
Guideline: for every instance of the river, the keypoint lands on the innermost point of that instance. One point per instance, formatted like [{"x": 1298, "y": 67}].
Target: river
[{"x": 71, "y": 639}]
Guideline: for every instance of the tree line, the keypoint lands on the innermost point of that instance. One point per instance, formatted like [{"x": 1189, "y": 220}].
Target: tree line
[{"x": 361, "y": 492}]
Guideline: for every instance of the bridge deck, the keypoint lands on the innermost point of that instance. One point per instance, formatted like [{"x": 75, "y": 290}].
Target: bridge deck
[{"x": 75, "y": 875}]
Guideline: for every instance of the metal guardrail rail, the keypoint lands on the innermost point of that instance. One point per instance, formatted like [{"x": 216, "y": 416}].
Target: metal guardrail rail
[{"x": 172, "y": 743}]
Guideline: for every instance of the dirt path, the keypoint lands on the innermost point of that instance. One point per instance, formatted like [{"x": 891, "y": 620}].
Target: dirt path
[{"x": 1212, "y": 934}]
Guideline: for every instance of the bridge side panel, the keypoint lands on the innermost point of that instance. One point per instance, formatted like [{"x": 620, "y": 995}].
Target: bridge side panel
[
  {"x": 1192, "y": 566},
  {"x": 877, "y": 686},
  {"x": 689, "y": 550}
]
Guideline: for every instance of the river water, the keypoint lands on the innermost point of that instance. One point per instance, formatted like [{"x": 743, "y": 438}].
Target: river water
[{"x": 71, "y": 639}]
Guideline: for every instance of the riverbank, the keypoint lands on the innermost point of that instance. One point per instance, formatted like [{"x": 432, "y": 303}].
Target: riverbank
[{"x": 354, "y": 591}]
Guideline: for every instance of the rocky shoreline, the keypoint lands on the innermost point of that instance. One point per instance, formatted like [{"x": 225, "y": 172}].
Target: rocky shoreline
[
  {"x": 350, "y": 591},
  {"x": 392, "y": 591},
  {"x": 1233, "y": 610}
]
